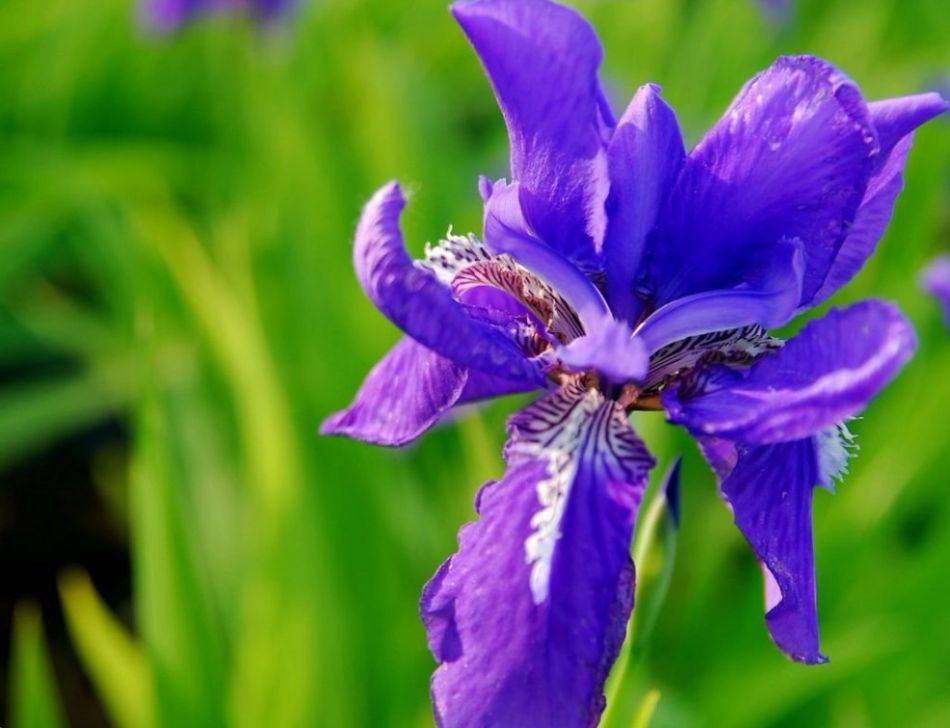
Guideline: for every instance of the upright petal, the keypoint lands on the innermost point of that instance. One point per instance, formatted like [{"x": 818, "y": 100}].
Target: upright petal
[
  {"x": 401, "y": 397},
  {"x": 825, "y": 374},
  {"x": 415, "y": 300},
  {"x": 542, "y": 60},
  {"x": 528, "y": 616},
  {"x": 790, "y": 158},
  {"x": 645, "y": 155},
  {"x": 895, "y": 121},
  {"x": 770, "y": 493}
]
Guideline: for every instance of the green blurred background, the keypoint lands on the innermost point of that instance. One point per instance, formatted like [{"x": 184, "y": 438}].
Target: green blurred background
[{"x": 178, "y": 312}]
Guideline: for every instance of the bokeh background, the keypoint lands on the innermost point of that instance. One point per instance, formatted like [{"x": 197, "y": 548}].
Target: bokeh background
[{"x": 178, "y": 546}]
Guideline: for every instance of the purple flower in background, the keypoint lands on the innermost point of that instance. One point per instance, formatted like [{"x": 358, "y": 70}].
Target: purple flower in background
[
  {"x": 167, "y": 15},
  {"x": 935, "y": 279},
  {"x": 778, "y": 12},
  {"x": 618, "y": 272}
]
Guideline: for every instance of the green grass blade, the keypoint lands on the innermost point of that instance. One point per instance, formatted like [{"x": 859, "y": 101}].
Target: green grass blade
[
  {"x": 34, "y": 700},
  {"x": 112, "y": 659}
]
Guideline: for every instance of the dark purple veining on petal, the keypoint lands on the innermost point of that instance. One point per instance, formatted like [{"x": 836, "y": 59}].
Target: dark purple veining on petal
[
  {"x": 825, "y": 374},
  {"x": 528, "y": 616}
]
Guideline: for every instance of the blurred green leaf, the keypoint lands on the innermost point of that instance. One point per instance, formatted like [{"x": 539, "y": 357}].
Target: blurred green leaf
[
  {"x": 34, "y": 697},
  {"x": 113, "y": 660},
  {"x": 182, "y": 641},
  {"x": 37, "y": 414}
]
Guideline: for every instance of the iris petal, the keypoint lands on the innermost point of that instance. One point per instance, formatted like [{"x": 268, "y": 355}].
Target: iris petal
[
  {"x": 611, "y": 350},
  {"x": 790, "y": 158},
  {"x": 481, "y": 386},
  {"x": 528, "y": 616},
  {"x": 895, "y": 121},
  {"x": 825, "y": 374},
  {"x": 402, "y": 397},
  {"x": 768, "y": 297},
  {"x": 415, "y": 300},
  {"x": 508, "y": 231},
  {"x": 542, "y": 59},
  {"x": 645, "y": 154},
  {"x": 769, "y": 490}
]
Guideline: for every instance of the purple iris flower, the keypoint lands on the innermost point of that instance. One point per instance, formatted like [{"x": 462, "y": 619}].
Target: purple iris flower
[
  {"x": 617, "y": 272},
  {"x": 935, "y": 279},
  {"x": 167, "y": 15},
  {"x": 778, "y": 12}
]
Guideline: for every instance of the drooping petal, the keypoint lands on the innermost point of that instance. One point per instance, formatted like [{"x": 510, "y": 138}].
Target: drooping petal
[
  {"x": 479, "y": 386},
  {"x": 790, "y": 158},
  {"x": 770, "y": 492},
  {"x": 825, "y": 374},
  {"x": 645, "y": 155},
  {"x": 528, "y": 616},
  {"x": 402, "y": 397},
  {"x": 768, "y": 297},
  {"x": 415, "y": 300},
  {"x": 935, "y": 279},
  {"x": 895, "y": 121},
  {"x": 542, "y": 60}
]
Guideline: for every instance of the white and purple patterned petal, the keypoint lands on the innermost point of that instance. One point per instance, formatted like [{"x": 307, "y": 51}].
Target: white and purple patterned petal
[
  {"x": 825, "y": 374},
  {"x": 769, "y": 489},
  {"x": 935, "y": 279},
  {"x": 414, "y": 299},
  {"x": 528, "y": 616},
  {"x": 895, "y": 121},
  {"x": 645, "y": 155},
  {"x": 542, "y": 59},
  {"x": 406, "y": 393},
  {"x": 481, "y": 280},
  {"x": 740, "y": 347},
  {"x": 790, "y": 158}
]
